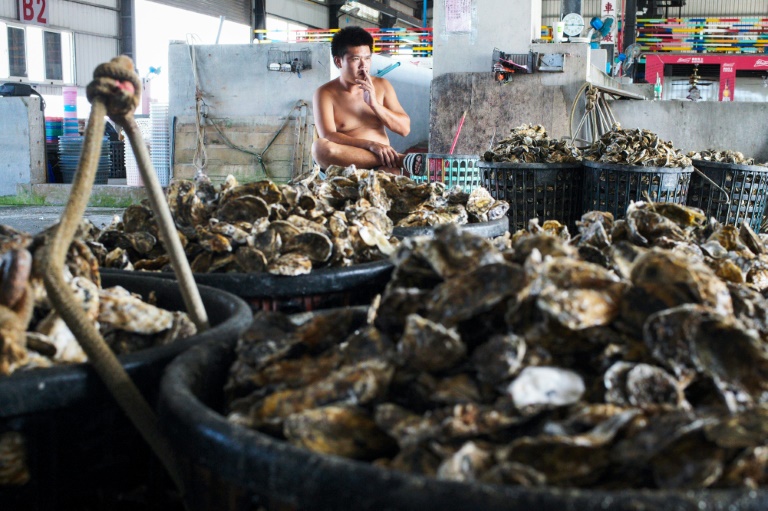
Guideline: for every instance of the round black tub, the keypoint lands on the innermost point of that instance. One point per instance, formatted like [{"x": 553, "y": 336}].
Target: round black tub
[
  {"x": 547, "y": 191},
  {"x": 746, "y": 185},
  {"x": 490, "y": 229},
  {"x": 230, "y": 467},
  {"x": 82, "y": 451},
  {"x": 321, "y": 289},
  {"x": 612, "y": 187}
]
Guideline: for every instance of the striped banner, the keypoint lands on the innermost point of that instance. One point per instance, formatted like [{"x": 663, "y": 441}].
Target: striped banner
[{"x": 703, "y": 35}]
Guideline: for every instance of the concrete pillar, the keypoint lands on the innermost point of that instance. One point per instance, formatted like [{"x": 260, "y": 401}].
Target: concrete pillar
[
  {"x": 259, "y": 17},
  {"x": 127, "y": 29},
  {"x": 630, "y": 24},
  {"x": 569, "y": 6},
  {"x": 509, "y": 26}
]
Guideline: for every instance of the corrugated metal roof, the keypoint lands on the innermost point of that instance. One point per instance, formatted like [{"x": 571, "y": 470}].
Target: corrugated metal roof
[
  {"x": 238, "y": 11},
  {"x": 92, "y": 51},
  {"x": 83, "y": 18},
  {"x": 8, "y": 10}
]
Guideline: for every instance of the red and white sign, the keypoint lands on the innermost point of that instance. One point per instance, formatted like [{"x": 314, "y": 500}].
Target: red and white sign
[
  {"x": 33, "y": 11},
  {"x": 729, "y": 64},
  {"x": 608, "y": 10},
  {"x": 690, "y": 60}
]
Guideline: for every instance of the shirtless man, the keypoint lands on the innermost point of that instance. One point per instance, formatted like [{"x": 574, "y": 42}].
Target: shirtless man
[{"x": 352, "y": 110}]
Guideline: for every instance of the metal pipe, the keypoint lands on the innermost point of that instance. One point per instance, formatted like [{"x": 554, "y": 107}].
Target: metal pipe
[{"x": 221, "y": 24}]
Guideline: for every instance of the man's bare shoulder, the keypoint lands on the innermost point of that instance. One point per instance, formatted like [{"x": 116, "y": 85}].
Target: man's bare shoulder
[
  {"x": 377, "y": 80},
  {"x": 330, "y": 87}
]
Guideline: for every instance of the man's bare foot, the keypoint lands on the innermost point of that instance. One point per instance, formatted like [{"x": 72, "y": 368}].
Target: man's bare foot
[{"x": 414, "y": 164}]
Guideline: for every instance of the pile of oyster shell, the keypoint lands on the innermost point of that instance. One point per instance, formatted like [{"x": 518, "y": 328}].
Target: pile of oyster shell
[
  {"x": 33, "y": 335},
  {"x": 635, "y": 147},
  {"x": 633, "y": 355},
  {"x": 531, "y": 144},
  {"x": 289, "y": 229},
  {"x": 726, "y": 156}
]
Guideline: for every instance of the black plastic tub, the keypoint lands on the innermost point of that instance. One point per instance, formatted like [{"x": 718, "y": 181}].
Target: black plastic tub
[
  {"x": 612, "y": 187},
  {"x": 547, "y": 191},
  {"x": 746, "y": 185},
  {"x": 321, "y": 289},
  {"x": 82, "y": 451},
  {"x": 227, "y": 466},
  {"x": 489, "y": 229}
]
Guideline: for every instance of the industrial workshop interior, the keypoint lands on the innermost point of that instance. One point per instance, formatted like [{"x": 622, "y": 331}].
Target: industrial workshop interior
[{"x": 411, "y": 255}]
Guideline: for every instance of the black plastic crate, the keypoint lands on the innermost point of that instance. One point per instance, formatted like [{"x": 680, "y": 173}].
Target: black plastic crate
[
  {"x": 101, "y": 178},
  {"x": 117, "y": 153},
  {"x": 612, "y": 187},
  {"x": 547, "y": 191},
  {"x": 746, "y": 187},
  {"x": 451, "y": 169}
]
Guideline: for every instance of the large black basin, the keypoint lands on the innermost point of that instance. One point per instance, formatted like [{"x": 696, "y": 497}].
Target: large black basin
[
  {"x": 82, "y": 450},
  {"x": 227, "y": 466},
  {"x": 321, "y": 289},
  {"x": 489, "y": 229}
]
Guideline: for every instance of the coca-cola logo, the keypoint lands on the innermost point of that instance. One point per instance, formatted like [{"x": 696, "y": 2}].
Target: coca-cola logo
[
  {"x": 684, "y": 60},
  {"x": 761, "y": 63}
]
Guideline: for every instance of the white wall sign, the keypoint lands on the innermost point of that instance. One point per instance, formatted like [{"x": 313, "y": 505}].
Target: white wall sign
[
  {"x": 33, "y": 11},
  {"x": 608, "y": 10},
  {"x": 458, "y": 15}
]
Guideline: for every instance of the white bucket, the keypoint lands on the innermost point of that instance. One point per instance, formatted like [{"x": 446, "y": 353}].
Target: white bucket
[{"x": 558, "y": 34}]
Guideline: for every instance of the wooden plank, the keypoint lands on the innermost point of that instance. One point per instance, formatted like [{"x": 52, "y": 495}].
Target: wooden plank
[
  {"x": 243, "y": 174},
  {"x": 290, "y": 149}
]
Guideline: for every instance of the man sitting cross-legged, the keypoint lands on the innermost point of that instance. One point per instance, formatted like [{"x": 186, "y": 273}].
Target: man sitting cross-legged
[{"x": 352, "y": 111}]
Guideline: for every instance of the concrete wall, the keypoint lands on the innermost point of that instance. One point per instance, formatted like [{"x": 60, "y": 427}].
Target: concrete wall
[
  {"x": 509, "y": 26},
  {"x": 690, "y": 126},
  {"x": 538, "y": 98},
  {"x": 491, "y": 107},
  {"x": 22, "y": 143},
  {"x": 698, "y": 126},
  {"x": 249, "y": 104},
  {"x": 412, "y": 85}
]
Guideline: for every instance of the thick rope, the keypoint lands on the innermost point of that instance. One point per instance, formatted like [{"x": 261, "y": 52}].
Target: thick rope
[
  {"x": 118, "y": 87},
  {"x": 200, "y": 159},
  {"x": 115, "y": 90},
  {"x": 168, "y": 233},
  {"x": 597, "y": 115},
  {"x": 575, "y": 134}
]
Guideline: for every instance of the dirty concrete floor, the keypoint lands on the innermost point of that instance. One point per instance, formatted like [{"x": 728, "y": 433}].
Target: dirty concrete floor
[{"x": 33, "y": 219}]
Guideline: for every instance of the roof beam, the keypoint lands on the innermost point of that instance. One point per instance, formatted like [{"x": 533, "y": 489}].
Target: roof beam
[{"x": 389, "y": 11}]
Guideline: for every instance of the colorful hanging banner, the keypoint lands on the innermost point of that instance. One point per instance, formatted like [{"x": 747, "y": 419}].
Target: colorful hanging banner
[{"x": 703, "y": 35}]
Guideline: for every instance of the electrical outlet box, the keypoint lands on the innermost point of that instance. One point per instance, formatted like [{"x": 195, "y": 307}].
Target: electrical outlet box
[
  {"x": 550, "y": 62},
  {"x": 16, "y": 89}
]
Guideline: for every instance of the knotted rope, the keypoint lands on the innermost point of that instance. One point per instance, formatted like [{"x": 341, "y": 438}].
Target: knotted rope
[{"x": 115, "y": 91}]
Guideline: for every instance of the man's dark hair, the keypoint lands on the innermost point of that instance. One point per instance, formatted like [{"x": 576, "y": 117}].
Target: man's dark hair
[{"x": 349, "y": 37}]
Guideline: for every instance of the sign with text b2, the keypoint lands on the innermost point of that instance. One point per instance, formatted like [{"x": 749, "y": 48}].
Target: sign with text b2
[{"x": 33, "y": 11}]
